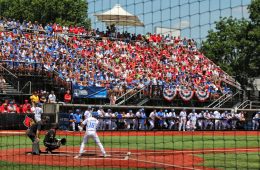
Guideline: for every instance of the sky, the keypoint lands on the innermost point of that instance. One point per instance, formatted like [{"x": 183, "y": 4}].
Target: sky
[{"x": 193, "y": 17}]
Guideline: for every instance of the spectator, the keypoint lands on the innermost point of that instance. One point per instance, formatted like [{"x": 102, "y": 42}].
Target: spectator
[
  {"x": 34, "y": 98},
  {"x": 67, "y": 97},
  {"x": 52, "y": 98},
  {"x": 26, "y": 107},
  {"x": 11, "y": 108}
]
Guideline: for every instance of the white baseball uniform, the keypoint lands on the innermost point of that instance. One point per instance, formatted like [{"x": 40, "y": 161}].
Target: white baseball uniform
[{"x": 91, "y": 126}]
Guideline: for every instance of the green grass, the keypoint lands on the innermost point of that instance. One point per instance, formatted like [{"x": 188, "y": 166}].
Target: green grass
[
  {"x": 219, "y": 160},
  {"x": 232, "y": 160},
  {"x": 149, "y": 142}
]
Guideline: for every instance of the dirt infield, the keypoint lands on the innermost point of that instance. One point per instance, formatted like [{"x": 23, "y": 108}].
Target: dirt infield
[
  {"x": 117, "y": 158},
  {"x": 143, "y": 133}
]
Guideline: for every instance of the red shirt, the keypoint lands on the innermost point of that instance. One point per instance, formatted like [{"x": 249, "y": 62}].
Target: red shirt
[{"x": 67, "y": 98}]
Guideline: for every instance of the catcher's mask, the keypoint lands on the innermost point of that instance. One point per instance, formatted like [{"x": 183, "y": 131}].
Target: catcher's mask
[{"x": 63, "y": 141}]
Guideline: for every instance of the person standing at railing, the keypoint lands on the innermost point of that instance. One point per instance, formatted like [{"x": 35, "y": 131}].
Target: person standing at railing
[
  {"x": 67, "y": 97},
  {"x": 34, "y": 98},
  {"x": 52, "y": 97}
]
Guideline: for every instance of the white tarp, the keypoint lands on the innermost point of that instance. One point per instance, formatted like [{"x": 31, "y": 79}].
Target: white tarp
[{"x": 120, "y": 17}]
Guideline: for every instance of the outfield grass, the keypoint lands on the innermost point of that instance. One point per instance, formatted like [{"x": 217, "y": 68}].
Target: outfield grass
[
  {"x": 232, "y": 160},
  {"x": 148, "y": 142}
]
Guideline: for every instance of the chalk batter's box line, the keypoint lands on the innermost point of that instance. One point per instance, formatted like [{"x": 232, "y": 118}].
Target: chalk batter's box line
[
  {"x": 195, "y": 151},
  {"x": 165, "y": 165}
]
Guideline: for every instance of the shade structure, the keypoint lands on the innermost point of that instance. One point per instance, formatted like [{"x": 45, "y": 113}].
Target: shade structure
[{"x": 120, "y": 17}]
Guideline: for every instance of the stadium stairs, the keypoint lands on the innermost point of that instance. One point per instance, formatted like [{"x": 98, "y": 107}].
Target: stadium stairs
[{"x": 20, "y": 85}]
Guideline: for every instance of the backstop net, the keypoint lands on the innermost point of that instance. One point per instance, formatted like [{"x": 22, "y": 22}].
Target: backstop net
[{"x": 143, "y": 95}]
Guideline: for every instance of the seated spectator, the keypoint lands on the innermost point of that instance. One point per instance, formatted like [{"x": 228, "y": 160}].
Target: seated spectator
[
  {"x": 11, "y": 107},
  {"x": 26, "y": 107}
]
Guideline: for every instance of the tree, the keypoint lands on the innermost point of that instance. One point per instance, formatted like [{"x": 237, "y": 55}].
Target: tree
[
  {"x": 234, "y": 45},
  {"x": 65, "y": 12}
]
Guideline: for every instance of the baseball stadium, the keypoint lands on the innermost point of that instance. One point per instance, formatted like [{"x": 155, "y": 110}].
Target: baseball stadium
[{"x": 129, "y": 84}]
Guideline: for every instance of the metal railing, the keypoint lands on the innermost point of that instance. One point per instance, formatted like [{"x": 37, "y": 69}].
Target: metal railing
[
  {"x": 126, "y": 98},
  {"x": 226, "y": 99},
  {"x": 10, "y": 77},
  {"x": 29, "y": 85}
]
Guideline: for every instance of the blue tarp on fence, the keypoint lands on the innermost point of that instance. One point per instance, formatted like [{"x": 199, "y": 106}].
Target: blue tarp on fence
[{"x": 89, "y": 92}]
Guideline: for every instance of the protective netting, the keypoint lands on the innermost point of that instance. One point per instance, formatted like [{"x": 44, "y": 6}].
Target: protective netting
[{"x": 153, "y": 121}]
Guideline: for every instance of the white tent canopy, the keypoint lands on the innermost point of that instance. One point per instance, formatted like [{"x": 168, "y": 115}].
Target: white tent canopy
[{"x": 120, "y": 17}]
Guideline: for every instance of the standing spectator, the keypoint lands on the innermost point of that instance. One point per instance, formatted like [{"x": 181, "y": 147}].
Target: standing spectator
[
  {"x": 34, "y": 98},
  {"x": 2, "y": 84},
  {"x": 52, "y": 97},
  {"x": 67, "y": 97},
  {"x": 183, "y": 120}
]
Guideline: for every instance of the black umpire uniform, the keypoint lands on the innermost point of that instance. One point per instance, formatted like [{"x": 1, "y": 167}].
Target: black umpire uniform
[
  {"x": 33, "y": 133},
  {"x": 50, "y": 140}
]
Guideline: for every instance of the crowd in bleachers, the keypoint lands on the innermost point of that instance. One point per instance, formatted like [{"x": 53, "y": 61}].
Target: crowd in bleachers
[
  {"x": 183, "y": 120},
  {"x": 125, "y": 62}
]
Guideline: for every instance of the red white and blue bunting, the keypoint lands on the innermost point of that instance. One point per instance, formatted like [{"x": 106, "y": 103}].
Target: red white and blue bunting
[
  {"x": 202, "y": 95},
  {"x": 169, "y": 94},
  {"x": 186, "y": 95}
]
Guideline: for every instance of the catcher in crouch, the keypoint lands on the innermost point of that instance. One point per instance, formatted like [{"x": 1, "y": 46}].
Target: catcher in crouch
[{"x": 50, "y": 140}]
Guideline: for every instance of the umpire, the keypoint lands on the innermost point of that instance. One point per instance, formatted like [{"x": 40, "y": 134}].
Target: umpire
[
  {"x": 50, "y": 141},
  {"x": 33, "y": 133}
]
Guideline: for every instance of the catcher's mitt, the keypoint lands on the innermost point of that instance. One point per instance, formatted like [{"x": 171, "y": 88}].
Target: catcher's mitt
[{"x": 63, "y": 141}]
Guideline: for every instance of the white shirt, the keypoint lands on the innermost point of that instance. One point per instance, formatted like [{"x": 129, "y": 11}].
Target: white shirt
[
  {"x": 91, "y": 124},
  {"x": 52, "y": 98},
  {"x": 37, "y": 114}
]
